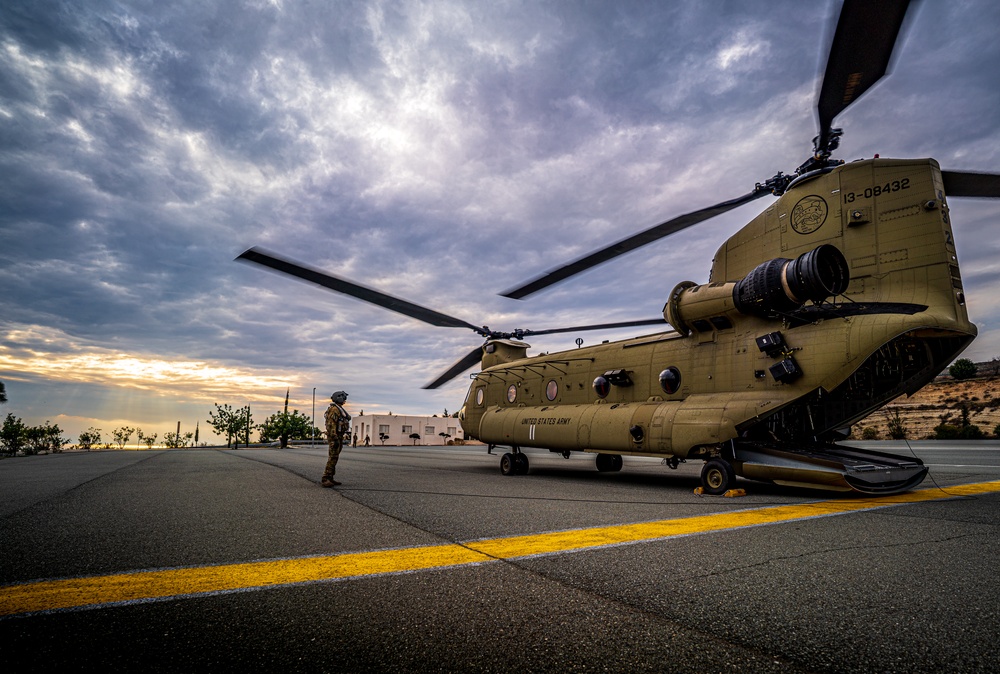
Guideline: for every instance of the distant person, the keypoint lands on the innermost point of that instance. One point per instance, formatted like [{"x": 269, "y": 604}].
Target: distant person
[
  {"x": 338, "y": 424},
  {"x": 368, "y": 442},
  {"x": 355, "y": 442}
]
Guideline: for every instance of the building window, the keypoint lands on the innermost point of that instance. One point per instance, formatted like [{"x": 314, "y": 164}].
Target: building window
[
  {"x": 452, "y": 430},
  {"x": 383, "y": 429},
  {"x": 407, "y": 430},
  {"x": 428, "y": 430}
]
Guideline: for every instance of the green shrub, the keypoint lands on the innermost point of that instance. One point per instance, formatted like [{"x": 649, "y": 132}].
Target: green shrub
[
  {"x": 953, "y": 432},
  {"x": 13, "y": 435},
  {"x": 963, "y": 368}
]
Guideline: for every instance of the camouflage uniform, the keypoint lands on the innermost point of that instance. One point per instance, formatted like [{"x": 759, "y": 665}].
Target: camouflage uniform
[{"x": 338, "y": 424}]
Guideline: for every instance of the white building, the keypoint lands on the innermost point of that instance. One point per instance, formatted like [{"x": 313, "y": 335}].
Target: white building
[{"x": 433, "y": 430}]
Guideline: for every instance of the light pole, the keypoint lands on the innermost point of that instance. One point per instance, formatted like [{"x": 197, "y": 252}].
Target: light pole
[{"x": 313, "y": 424}]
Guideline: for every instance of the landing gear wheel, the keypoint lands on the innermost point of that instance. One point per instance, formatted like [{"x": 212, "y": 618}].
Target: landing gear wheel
[
  {"x": 609, "y": 463},
  {"x": 508, "y": 465},
  {"x": 717, "y": 477},
  {"x": 520, "y": 464}
]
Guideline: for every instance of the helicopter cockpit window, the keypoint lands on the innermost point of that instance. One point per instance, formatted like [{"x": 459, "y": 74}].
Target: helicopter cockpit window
[
  {"x": 512, "y": 393},
  {"x": 670, "y": 380},
  {"x": 552, "y": 389},
  {"x": 602, "y": 387},
  {"x": 480, "y": 394},
  {"x": 721, "y": 322}
]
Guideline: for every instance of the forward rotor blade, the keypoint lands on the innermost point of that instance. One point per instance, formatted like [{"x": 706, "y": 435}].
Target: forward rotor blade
[
  {"x": 370, "y": 295},
  {"x": 467, "y": 361},
  {"x": 968, "y": 184},
  {"x": 474, "y": 356},
  {"x": 629, "y": 244},
  {"x": 859, "y": 56},
  {"x": 601, "y": 326}
]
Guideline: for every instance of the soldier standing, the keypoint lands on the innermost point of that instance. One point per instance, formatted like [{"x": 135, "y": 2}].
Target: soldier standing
[{"x": 338, "y": 425}]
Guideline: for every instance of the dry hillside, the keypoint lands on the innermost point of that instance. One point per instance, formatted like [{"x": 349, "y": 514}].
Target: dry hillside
[{"x": 943, "y": 396}]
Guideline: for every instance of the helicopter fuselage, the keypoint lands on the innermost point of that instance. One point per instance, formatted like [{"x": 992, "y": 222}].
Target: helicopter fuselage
[
  {"x": 841, "y": 296},
  {"x": 750, "y": 357}
]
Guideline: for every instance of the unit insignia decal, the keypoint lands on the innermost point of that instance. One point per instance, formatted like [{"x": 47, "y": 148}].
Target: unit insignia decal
[{"x": 809, "y": 214}]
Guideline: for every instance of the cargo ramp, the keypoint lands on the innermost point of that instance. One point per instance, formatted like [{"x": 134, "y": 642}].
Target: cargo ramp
[{"x": 824, "y": 466}]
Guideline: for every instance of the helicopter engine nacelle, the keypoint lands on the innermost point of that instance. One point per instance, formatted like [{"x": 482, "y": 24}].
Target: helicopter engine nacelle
[
  {"x": 781, "y": 285},
  {"x": 773, "y": 287},
  {"x": 499, "y": 351}
]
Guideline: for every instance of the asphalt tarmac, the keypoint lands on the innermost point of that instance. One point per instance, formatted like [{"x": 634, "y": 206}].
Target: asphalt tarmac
[{"x": 430, "y": 560}]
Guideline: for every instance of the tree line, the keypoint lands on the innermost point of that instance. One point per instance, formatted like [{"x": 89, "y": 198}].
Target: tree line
[
  {"x": 16, "y": 437},
  {"x": 235, "y": 425}
]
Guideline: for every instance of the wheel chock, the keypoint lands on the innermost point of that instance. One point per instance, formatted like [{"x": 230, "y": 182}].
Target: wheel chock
[{"x": 700, "y": 491}]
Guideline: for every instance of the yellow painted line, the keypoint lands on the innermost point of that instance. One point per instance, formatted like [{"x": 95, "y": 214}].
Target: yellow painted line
[
  {"x": 49, "y": 595},
  {"x": 579, "y": 539},
  {"x": 75, "y": 593}
]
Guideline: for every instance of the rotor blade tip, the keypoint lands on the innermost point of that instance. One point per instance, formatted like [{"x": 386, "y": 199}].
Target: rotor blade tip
[{"x": 247, "y": 254}]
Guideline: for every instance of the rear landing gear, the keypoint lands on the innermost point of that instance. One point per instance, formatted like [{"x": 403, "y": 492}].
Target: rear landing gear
[{"x": 717, "y": 477}]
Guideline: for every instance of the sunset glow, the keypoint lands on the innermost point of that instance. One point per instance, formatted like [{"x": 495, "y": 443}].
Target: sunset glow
[
  {"x": 56, "y": 357},
  {"x": 159, "y": 391}
]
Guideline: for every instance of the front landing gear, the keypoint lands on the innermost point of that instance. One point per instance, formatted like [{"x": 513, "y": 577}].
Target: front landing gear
[
  {"x": 514, "y": 463},
  {"x": 717, "y": 477}
]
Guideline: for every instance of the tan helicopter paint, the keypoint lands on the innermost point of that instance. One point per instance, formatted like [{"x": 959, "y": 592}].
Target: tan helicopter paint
[{"x": 890, "y": 220}]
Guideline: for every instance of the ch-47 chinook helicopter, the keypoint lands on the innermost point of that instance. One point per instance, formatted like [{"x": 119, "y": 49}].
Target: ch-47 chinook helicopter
[{"x": 844, "y": 294}]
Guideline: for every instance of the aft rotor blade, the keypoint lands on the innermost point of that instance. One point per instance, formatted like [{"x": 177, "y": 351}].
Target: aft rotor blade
[
  {"x": 859, "y": 55},
  {"x": 601, "y": 326},
  {"x": 968, "y": 184},
  {"x": 370, "y": 295},
  {"x": 629, "y": 244},
  {"x": 470, "y": 359}
]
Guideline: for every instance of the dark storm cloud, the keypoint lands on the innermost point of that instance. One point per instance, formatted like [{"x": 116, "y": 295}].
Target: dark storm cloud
[{"x": 440, "y": 152}]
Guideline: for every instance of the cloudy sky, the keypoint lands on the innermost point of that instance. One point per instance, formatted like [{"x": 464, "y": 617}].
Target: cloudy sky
[{"x": 439, "y": 151}]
